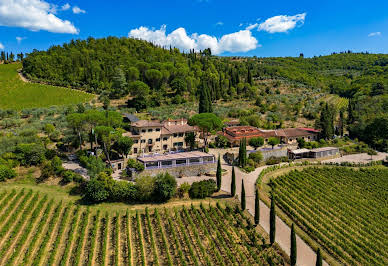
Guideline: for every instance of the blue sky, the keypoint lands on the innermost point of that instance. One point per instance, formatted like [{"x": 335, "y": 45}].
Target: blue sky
[{"x": 261, "y": 28}]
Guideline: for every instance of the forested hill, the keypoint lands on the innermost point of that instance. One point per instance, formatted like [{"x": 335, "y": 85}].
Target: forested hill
[{"x": 111, "y": 65}]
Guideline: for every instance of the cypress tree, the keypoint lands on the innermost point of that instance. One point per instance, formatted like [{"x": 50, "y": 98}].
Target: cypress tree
[
  {"x": 233, "y": 184},
  {"x": 257, "y": 207},
  {"x": 272, "y": 221},
  {"x": 249, "y": 78},
  {"x": 243, "y": 203},
  {"x": 242, "y": 153},
  {"x": 219, "y": 173},
  {"x": 293, "y": 246},
  {"x": 319, "y": 258}
]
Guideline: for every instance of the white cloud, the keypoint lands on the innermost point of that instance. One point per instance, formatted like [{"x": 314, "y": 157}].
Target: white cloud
[
  {"x": 252, "y": 26},
  {"x": 65, "y": 7},
  {"x": 34, "y": 15},
  {"x": 372, "y": 34},
  {"x": 219, "y": 23},
  {"x": 282, "y": 23},
  {"x": 1, "y": 46},
  {"x": 241, "y": 41},
  {"x": 77, "y": 10},
  {"x": 20, "y": 39}
]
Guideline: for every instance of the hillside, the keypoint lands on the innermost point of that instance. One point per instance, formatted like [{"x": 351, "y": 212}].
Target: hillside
[{"x": 17, "y": 94}]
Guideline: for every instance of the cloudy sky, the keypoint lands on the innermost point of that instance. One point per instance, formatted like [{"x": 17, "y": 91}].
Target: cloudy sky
[{"x": 228, "y": 27}]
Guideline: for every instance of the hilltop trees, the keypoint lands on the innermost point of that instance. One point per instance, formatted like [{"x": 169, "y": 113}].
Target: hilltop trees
[{"x": 207, "y": 123}]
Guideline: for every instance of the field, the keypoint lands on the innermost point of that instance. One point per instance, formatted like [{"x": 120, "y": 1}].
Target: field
[
  {"x": 17, "y": 94},
  {"x": 36, "y": 229},
  {"x": 344, "y": 210}
]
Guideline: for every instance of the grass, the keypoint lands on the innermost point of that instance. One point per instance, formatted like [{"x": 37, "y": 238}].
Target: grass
[
  {"x": 17, "y": 95},
  {"x": 224, "y": 237},
  {"x": 343, "y": 209}
]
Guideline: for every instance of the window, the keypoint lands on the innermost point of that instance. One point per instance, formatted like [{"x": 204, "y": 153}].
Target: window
[
  {"x": 181, "y": 161},
  {"x": 150, "y": 130},
  {"x": 166, "y": 163},
  {"x": 290, "y": 139},
  {"x": 165, "y": 138},
  {"x": 136, "y": 141},
  {"x": 143, "y": 141},
  {"x": 180, "y": 134},
  {"x": 179, "y": 144},
  {"x": 143, "y": 130},
  {"x": 158, "y": 139},
  {"x": 134, "y": 150},
  {"x": 175, "y": 135},
  {"x": 149, "y": 141},
  {"x": 165, "y": 147},
  {"x": 158, "y": 129}
]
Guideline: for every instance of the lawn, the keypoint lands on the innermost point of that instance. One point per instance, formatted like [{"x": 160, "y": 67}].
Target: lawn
[
  {"x": 344, "y": 210},
  {"x": 17, "y": 94}
]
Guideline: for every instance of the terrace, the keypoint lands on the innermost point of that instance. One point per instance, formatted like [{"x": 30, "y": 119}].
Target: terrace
[{"x": 176, "y": 160}]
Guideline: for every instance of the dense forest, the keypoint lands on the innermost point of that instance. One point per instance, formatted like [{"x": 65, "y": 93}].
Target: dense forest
[{"x": 153, "y": 76}]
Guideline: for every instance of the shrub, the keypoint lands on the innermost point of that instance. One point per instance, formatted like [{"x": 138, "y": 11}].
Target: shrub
[
  {"x": 30, "y": 154},
  {"x": 6, "y": 173},
  {"x": 257, "y": 157},
  {"x": 276, "y": 160},
  {"x": 123, "y": 191},
  {"x": 68, "y": 176},
  {"x": 145, "y": 186},
  {"x": 96, "y": 191},
  {"x": 221, "y": 142},
  {"x": 165, "y": 187},
  {"x": 202, "y": 189},
  {"x": 138, "y": 166},
  {"x": 256, "y": 142},
  {"x": 183, "y": 189}
]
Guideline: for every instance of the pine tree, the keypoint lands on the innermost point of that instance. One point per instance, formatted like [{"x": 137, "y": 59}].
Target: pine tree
[
  {"x": 243, "y": 203},
  {"x": 257, "y": 207},
  {"x": 272, "y": 221},
  {"x": 319, "y": 258},
  {"x": 219, "y": 173},
  {"x": 233, "y": 184},
  {"x": 293, "y": 246}
]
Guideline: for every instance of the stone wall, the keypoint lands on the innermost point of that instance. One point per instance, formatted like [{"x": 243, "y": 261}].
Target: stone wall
[
  {"x": 274, "y": 153},
  {"x": 180, "y": 171}
]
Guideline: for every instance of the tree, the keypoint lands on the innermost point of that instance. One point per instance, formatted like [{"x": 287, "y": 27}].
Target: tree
[
  {"x": 105, "y": 136},
  {"x": 272, "y": 221},
  {"x": 233, "y": 183},
  {"x": 154, "y": 77},
  {"x": 190, "y": 140},
  {"x": 371, "y": 152},
  {"x": 319, "y": 258},
  {"x": 123, "y": 145},
  {"x": 257, "y": 207},
  {"x": 207, "y": 122},
  {"x": 378, "y": 88},
  {"x": 243, "y": 199},
  {"x": 6, "y": 173},
  {"x": 141, "y": 92},
  {"x": 293, "y": 246},
  {"x": 242, "y": 153},
  {"x": 119, "y": 83},
  {"x": 301, "y": 143},
  {"x": 76, "y": 122},
  {"x": 219, "y": 173},
  {"x": 256, "y": 142},
  {"x": 165, "y": 187},
  {"x": 96, "y": 191},
  {"x": 273, "y": 141},
  {"x": 326, "y": 122},
  {"x": 205, "y": 103},
  {"x": 341, "y": 123},
  {"x": 249, "y": 77}
]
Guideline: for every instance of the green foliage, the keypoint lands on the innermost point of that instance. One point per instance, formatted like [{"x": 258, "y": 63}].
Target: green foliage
[
  {"x": 233, "y": 183},
  {"x": 319, "y": 258},
  {"x": 256, "y": 142},
  {"x": 273, "y": 141},
  {"x": 257, "y": 157},
  {"x": 207, "y": 123},
  {"x": 165, "y": 187},
  {"x": 6, "y": 173},
  {"x": 219, "y": 173},
  {"x": 222, "y": 142},
  {"x": 96, "y": 190},
  {"x": 202, "y": 189},
  {"x": 30, "y": 154},
  {"x": 293, "y": 250},
  {"x": 243, "y": 198},
  {"x": 138, "y": 166},
  {"x": 145, "y": 186},
  {"x": 123, "y": 145},
  {"x": 190, "y": 140},
  {"x": 242, "y": 153},
  {"x": 272, "y": 221},
  {"x": 257, "y": 207}
]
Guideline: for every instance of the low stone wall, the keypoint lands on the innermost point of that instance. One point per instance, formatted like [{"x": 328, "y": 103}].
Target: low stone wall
[
  {"x": 180, "y": 171},
  {"x": 274, "y": 153}
]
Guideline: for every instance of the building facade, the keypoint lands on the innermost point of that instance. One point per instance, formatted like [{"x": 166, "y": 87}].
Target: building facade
[
  {"x": 159, "y": 137},
  {"x": 287, "y": 136}
]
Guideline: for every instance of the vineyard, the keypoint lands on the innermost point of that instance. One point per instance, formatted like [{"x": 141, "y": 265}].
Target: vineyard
[
  {"x": 345, "y": 210},
  {"x": 37, "y": 230}
]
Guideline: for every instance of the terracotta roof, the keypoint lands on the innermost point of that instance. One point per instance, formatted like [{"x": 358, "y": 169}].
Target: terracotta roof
[
  {"x": 166, "y": 130},
  {"x": 292, "y": 132},
  {"x": 147, "y": 123},
  {"x": 129, "y": 134}
]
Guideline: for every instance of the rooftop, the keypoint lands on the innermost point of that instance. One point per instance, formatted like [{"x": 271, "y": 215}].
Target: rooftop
[
  {"x": 324, "y": 149},
  {"x": 300, "y": 151},
  {"x": 174, "y": 156},
  {"x": 147, "y": 123}
]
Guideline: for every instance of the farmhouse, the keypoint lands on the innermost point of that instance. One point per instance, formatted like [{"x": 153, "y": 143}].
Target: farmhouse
[
  {"x": 287, "y": 136},
  {"x": 155, "y": 136}
]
